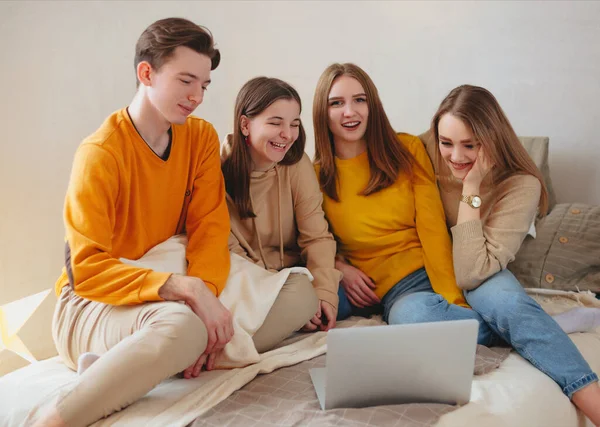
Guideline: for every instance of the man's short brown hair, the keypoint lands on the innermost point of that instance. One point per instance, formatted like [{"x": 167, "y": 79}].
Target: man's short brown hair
[{"x": 158, "y": 42}]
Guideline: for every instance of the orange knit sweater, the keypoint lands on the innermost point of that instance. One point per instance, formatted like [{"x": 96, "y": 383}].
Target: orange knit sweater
[{"x": 123, "y": 200}]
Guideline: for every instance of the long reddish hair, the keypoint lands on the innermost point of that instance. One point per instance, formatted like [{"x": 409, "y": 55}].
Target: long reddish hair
[{"x": 387, "y": 156}]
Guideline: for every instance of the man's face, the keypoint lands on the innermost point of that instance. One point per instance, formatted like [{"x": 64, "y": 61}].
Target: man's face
[{"x": 178, "y": 87}]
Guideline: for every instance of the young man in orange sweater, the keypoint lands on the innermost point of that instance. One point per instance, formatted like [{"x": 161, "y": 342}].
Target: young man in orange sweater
[{"x": 149, "y": 172}]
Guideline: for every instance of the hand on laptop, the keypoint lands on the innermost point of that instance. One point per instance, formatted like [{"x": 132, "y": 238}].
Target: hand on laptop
[{"x": 358, "y": 286}]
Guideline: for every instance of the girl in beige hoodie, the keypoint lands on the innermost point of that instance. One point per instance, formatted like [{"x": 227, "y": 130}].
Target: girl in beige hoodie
[{"x": 274, "y": 204}]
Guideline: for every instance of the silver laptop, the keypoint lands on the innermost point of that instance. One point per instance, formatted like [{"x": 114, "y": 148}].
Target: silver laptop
[{"x": 391, "y": 364}]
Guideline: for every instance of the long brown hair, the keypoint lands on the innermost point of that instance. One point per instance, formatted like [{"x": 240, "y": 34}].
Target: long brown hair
[
  {"x": 387, "y": 156},
  {"x": 158, "y": 42},
  {"x": 254, "y": 98},
  {"x": 480, "y": 111}
]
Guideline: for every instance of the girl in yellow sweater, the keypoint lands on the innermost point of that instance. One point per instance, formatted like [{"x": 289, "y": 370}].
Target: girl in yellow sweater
[
  {"x": 491, "y": 191},
  {"x": 383, "y": 206}
]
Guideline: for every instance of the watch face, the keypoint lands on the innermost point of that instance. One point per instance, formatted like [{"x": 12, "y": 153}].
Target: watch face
[{"x": 476, "y": 201}]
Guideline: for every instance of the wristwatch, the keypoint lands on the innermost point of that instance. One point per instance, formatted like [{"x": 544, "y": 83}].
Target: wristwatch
[{"x": 473, "y": 201}]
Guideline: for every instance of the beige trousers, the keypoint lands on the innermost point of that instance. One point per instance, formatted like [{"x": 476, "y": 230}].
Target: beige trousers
[
  {"x": 295, "y": 305},
  {"x": 142, "y": 345}
]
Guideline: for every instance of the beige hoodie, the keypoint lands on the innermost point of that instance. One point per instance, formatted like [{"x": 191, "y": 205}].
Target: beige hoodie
[{"x": 290, "y": 228}]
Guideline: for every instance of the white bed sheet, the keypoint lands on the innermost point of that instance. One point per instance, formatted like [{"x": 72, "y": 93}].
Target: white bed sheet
[{"x": 518, "y": 395}]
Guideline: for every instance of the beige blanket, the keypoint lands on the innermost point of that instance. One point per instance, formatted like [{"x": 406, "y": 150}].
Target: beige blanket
[{"x": 249, "y": 295}]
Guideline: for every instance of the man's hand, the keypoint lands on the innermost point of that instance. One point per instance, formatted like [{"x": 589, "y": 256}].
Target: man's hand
[
  {"x": 358, "y": 286},
  {"x": 194, "y": 370},
  {"x": 211, "y": 360},
  {"x": 216, "y": 318}
]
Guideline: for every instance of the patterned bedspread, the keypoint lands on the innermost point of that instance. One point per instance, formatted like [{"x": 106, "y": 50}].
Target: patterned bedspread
[{"x": 286, "y": 397}]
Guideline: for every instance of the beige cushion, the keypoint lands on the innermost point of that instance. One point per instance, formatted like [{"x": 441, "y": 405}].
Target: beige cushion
[
  {"x": 565, "y": 255},
  {"x": 537, "y": 147}
]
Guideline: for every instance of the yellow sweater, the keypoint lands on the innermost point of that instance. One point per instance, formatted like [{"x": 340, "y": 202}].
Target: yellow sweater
[
  {"x": 396, "y": 231},
  {"x": 123, "y": 199}
]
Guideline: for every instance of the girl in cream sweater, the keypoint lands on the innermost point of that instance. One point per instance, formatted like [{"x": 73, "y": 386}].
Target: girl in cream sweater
[{"x": 491, "y": 192}]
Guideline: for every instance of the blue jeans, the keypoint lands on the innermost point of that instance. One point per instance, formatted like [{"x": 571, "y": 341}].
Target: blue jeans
[
  {"x": 412, "y": 300},
  {"x": 520, "y": 321}
]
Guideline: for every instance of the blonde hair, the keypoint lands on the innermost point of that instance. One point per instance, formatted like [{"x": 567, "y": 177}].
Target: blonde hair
[{"x": 480, "y": 111}]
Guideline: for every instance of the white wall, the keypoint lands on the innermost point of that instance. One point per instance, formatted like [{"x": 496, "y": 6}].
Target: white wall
[{"x": 66, "y": 66}]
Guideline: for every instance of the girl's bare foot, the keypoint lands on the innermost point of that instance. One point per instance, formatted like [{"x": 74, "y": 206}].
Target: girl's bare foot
[{"x": 588, "y": 401}]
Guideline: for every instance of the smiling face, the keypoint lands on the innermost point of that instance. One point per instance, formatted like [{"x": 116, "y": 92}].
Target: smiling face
[
  {"x": 178, "y": 86},
  {"x": 457, "y": 145},
  {"x": 347, "y": 110},
  {"x": 272, "y": 133}
]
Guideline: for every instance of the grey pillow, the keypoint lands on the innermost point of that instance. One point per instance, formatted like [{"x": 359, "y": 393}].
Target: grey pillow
[{"x": 565, "y": 255}]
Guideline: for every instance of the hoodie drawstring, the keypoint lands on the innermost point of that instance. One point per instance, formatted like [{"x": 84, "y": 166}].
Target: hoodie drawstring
[
  {"x": 279, "y": 215},
  {"x": 260, "y": 248}
]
